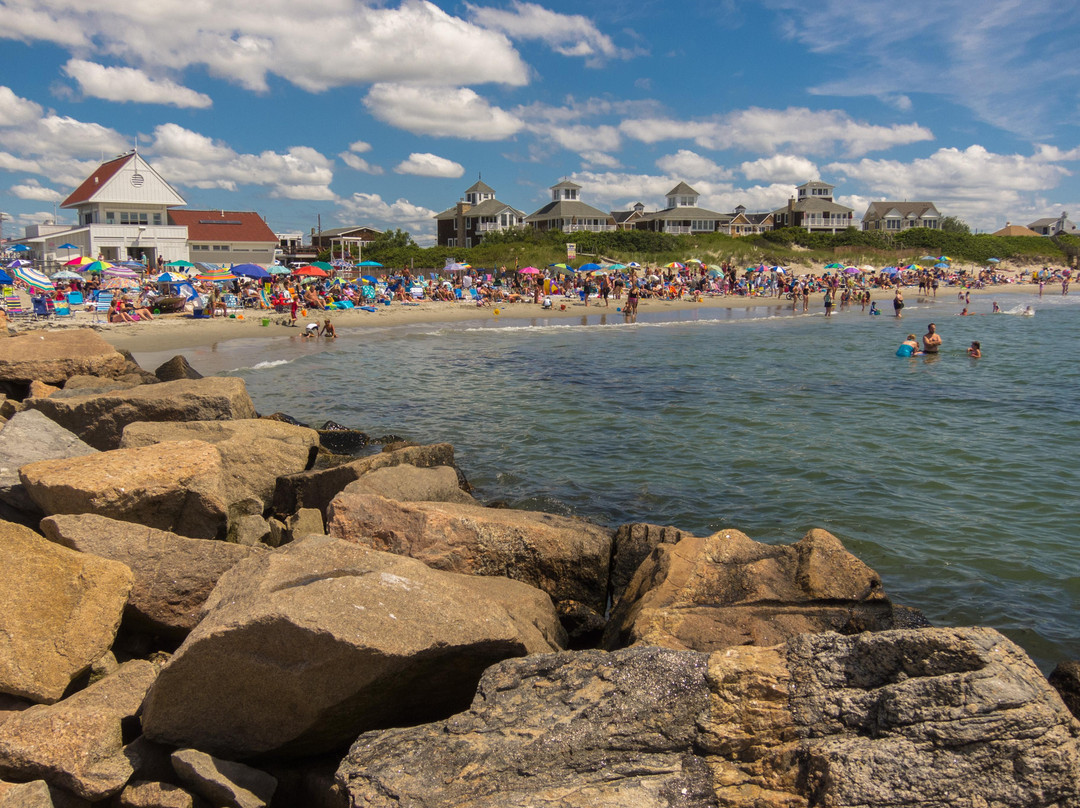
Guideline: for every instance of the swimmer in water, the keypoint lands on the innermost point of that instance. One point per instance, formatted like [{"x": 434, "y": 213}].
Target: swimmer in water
[
  {"x": 1028, "y": 312},
  {"x": 997, "y": 308},
  {"x": 975, "y": 351}
]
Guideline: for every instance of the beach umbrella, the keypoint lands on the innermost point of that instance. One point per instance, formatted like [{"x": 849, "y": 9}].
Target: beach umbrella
[
  {"x": 119, "y": 283},
  {"x": 250, "y": 271},
  {"x": 371, "y": 280},
  {"x": 311, "y": 271},
  {"x": 323, "y": 265},
  {"x": 941, "y": 266},
  {"x": 171, "y": 277},
  {"x": 121, "y": 272},
  {"x": 993, "y": 260},
  {"x": 529, "y": 271},
  {"x": 590, "y": 267},
  {"x": 96, "y": 266},
  {"x": 695, "y": 261},
  {"x": 834, "y": 265},
  {"x": 781, "y": 270},
  {"x": 634, "y": 264},
  {"x": 18, "y": 262},
  {"x": 19, "y": 248},
  {"x": 4, "y": 277},
  {"x": 851, "y": 270},
  {"x": 617, "y": 267},
  {"x": 32, "y": 278},
  {"x": 369, "y": 264},
  {"x": 66, "y": 275},
  {"x": 278, "y": 269},
  {"x": 215, "y": 275},
  {"x": 675, "y": 265},
  {"x": 944, "y": 258},
  {"x": 928, "y": 258},
  {"x": 136, "y": 265},
  {"x": 81, "y": 261},
  {"x": 69, "y": 247},
  {"x": 562, "y": 269},
  {"x": 181, "y": 264}
]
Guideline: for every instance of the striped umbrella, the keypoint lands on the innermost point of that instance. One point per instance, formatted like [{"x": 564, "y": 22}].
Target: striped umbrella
[
  {"x": 32, "y": 278},
  {"x": 217, "y": 275},
  {"x": 96, "y": 266},
  {"x": 121, "y": 272},
  {"x": 119, "y": 283},
  {"x": 81, "y": 261}
]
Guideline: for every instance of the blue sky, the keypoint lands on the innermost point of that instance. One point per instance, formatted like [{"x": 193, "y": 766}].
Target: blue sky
[{"x": 384, "y": 113}]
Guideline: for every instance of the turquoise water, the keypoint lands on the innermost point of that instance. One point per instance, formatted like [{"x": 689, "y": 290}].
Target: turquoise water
[{"x": 954, "y": 478}]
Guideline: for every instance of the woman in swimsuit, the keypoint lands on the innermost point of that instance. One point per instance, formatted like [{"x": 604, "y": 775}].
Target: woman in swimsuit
[{"x": 898, "y": 302}]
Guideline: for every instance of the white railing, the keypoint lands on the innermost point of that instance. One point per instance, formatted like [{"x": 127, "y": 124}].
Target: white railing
[
  {"x": 590, "y": 228},
  {"x": 488, "y": 227},
  {"x": 677, "y": 229}
]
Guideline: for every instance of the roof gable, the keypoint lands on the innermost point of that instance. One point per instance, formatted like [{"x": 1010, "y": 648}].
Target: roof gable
[
  {"x": 127, "y": 179},
  {"x": 682, "y": 189},
  {"x": 223, "y": 225},
  {"x": 480, "y": 187}
]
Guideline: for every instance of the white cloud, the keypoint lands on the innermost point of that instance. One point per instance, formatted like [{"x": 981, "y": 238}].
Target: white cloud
[
  {"x": 429, "y": 165},
  {"x": 189, "y": 158},
  {"x": 360, "y": 147},
  {"x": 359, "y": 163},
  {"x": 387, "y": 215},
  {"x": 33, "y": 190},
  {"x": 691, "y": 165},
  {"x": 63, "y": 171},
  {"x": 131, "y": 84},
  {"x": 597, "y": 158},
  {"x": 440, "y": 112},
  {"x": 333, "y": 43},
  {"x": 795, "y": 129},
  {"x": 15, "y": 110},
  {"x": 567, "y": 34},
  {"x": 582, "y": 138},
  {"x": 62, "y": 136},
  {"x": 781, "y": 168}
]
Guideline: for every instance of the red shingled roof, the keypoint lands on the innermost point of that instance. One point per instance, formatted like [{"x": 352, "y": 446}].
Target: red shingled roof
[
  {"x": 218, "y": 225},
  {"x": 92, "y": 184}
]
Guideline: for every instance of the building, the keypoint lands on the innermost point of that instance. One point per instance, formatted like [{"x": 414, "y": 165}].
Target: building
[
  {"x": 476, "y": 215},
  {"x": 892, "y": 217},
  {"x": 340, "y": 241},
  {"x": 226, "y": 236},
  {"x": 628, "y": 219},
  {"x": 683, "y": 215},
  {"x": 1011, "y": 229},
  {"x": 748, "y": 224},
  {"x": 1052, "y": 227},
  {"x": 814, "y": 210},
  {"x": 566, "y": 212}
]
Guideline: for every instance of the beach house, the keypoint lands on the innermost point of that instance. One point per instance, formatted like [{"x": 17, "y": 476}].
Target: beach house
[
  {"x": 475, "y": 215},
  {"x": 226, "y": 236},
  {"x": 628, "y": 219},
  {"x": 1051, "y": 227},
  {"x": 683, "y": 215},
  {"x": 748, "y": 224},
  {"x": 568, "y": 213},
  {"x": 892, "y": 217},
  {"x": 814, "y": 210}
]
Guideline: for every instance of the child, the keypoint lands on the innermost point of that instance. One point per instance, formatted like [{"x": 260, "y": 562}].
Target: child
[
  {"x": 328, "y": 329},
  {"x": 975, "y": 351},
  {"x": 874, "y": 309}
]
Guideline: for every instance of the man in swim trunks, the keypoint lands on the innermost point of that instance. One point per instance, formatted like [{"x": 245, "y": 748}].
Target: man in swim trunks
[{"x": 931, "y": 340}]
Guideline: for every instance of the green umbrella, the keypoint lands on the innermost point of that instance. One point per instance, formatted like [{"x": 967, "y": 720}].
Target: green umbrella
[
  {"x": 322, "y": 265},
  {"x": 180, "y": 263}
]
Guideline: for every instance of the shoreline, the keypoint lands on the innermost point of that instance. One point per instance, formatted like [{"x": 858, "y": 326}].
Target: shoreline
[{"x": 179, "y": 332}]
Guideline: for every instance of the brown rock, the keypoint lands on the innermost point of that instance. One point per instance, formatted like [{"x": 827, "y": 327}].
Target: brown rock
[
  {"x": 149, "y": 794},
  {"x": 632, "y": 544},
  {"x": 59, "y": 611},
  {"x": 28, "y": 437},
  {"x": 176, "y": 368},
  {"x": 348, "y": 638},
  {"x": 77, "y": 744},
  {"x": 171, "y": 486},
  {"x": 280, "y": 449},
  {"x": 315, "y": 489},
  {"x": 99, "y": 419},
  {"x": 173, "y": 575},
  {"x": 705, "y": 594},
  {"x": 42, "y": 390},
  {"x": 34, "y": 794},
  {"x": 224, "y": 782},
  {"x": 407, "y": 483},
  {"x": 54, "y": 356},
  {"x": 1065, "y": 679},
  {"x": 531, "y": 610},
  {"x": 567, "y": 558}
]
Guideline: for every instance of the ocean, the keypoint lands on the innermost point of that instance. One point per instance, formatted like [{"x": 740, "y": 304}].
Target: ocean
[{"x": 954, "y": 478}]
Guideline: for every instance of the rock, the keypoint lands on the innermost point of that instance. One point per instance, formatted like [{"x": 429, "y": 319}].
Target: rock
[
  {"x": 8, "y": 408},
  {"x": 283, "y": 418},
  {"x": 567, "y": 558},
  {"x": 305, "y": 522},
  {"x": 103, "y": 666},
  {"x": 99, "y": 419},
  {"x": 173, "y": 575},
  {"x": 315, "y": 489},
  {"x": 633, "y": 543},
  {"x": 280, "y": 449},
  {"x": 28, "y": 437},
  {"x": 705, "y": 594},
  {"x": 149, "y": 794},
  {"x": 224, "y": 782},
  {"x": 924, "y": 718},
  {"x": 531, "y": 610},
  {"x": 59, "y": 611},
  {"x": 176, "y": 368},
  {"x": 408, "y": 483},
  {"x": 10, "y": 705},
  {"x": 77, "y": 744},
  {"x": 35, "y": 794},
  {"x": 42, "y": 390},
  {"x": 250, "y": 530},
  {"x": 584, "y": 626},
  {"x": 340, "y": 439},
  {"x": 96, "y": 384},
  {"x": 348, "y": 638},
  {"x": 54, "y": 356},
  {"x": 1065, "y": 679},
  {"x": 172, "y": 486}
]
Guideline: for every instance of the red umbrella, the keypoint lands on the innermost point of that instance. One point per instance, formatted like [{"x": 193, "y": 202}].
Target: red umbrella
[{"x": 314, "y": 271}]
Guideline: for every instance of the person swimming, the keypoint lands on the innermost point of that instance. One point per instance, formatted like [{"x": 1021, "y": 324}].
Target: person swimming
[
  {"x": 975, "y": 351},
  {"x": 909, "y": 347}
]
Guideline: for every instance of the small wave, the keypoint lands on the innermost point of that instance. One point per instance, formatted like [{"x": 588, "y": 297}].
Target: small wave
[{"x": 265, "y": 365}]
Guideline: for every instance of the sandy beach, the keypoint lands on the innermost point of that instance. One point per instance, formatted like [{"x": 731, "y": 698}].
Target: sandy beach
[{"x": 181, "y": 331}]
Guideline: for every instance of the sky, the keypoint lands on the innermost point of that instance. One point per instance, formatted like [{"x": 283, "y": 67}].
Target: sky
[{"x": 345, "y": 112}]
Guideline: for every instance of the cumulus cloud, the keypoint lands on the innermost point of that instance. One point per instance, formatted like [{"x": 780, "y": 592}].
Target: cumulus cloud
[
  {"x": 440, "y": 112},
  {"x": 691, "y": 165},
  {"x": 566, "y": 34},
  {"x": 62, "y": 136},
  {"x": 15, "y": 111},
  {"x": 795, "y": 129},
  {"x": 191, "y": 159},
  {"x": 429, "y": 165},
  {"x": 597, "y": 158},
  {"x": 417, "y": 219},
  {"x": 781, "y": 168},
  {"x": 33, "y": 190},
  {"x": 581, "y": 138},
  {"x": 359, "y": 163},
  {"x": 334, "y": 43},
  {"x": 360, "y": 147},
  {"x": 131, "y": 84}
]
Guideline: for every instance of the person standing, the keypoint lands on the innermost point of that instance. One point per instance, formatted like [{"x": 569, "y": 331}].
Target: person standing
[
  {"x": 931, "y": 340},
  {"x": 828, "y": 301},
  {"x": 898, "y": 302}
]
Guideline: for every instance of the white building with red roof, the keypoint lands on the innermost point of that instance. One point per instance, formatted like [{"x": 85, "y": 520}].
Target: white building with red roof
[{"x": 126, "y": 211}]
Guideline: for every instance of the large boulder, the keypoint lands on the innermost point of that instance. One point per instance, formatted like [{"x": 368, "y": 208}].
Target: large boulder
[
  {"x": 254, "y": 452},
  {"x": 224, "y": 782},
  {"x": 632, "y": 544},
  {"x": 709, "y": 593},
  {"x": 173, "y": 575},
  {"x": 176, "y": 368},
  {"x": 304, "y": 647},
  {"x": 174, "y": 486},
  {"x": 567, "y": 558},
  {"x": 408, "y": 483},
  {"x": 100, "y": 418},
  {"x": 28, "y": 437},
  {"x": 54, "y": 356},
  {"x": 921, "y": 718},
  {"x": 78, "y": 744},
  {"x": 59, "y": 611},
  {"x": 315, "y": 489}
]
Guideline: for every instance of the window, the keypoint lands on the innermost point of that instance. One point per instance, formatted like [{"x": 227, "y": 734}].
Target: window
[
  {"x": 701, "y": 224},
  {"x": 157, "y": 218},
  {"x": 199, "y": 247},
  {"x": 451, "y": 242},
  {"x": 221, "y": 247},
  {"x": 110, "y": 217},
  {"x": 133, "y": 218}
]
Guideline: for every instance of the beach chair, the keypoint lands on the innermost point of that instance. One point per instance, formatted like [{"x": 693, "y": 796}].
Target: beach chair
[
  {"x": 367, "y": 294},
  {"x": 231, "y": 302},
  {"x": 60, "y": 309},
  {"x": 41, "y": 308},
  {"x": 102, "y": 304},
  {"x": 75, "y": 299},
  {"x": 14, "y": 309}
]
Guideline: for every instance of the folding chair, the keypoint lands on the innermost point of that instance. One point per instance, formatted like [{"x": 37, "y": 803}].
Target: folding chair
[
  {"x": 13, "y": 307},
  {"x": 102, "y": 304}
]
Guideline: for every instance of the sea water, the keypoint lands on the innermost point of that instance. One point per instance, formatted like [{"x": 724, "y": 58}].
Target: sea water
[{"x": 955, "y": 478}]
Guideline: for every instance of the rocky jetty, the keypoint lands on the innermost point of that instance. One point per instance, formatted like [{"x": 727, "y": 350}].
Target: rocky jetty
[{"x": 204, "y": 607}]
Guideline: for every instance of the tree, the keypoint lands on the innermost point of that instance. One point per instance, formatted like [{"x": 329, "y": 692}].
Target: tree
[{"x": 954, "y": 224}]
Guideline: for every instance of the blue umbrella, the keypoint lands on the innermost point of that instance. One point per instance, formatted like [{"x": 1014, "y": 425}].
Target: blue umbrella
[
  {"x": 4, "y": 277},
  {"x": 369, "y": 264},
  {"x": 370, "y": 279},
  {"x": 250, "y": 271},
  {"x": 19, "y": 248},
  {"x": 588, "y": 268},
  {"x": 68, "y": 246},
  {"x": 941, "y": 266}
]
